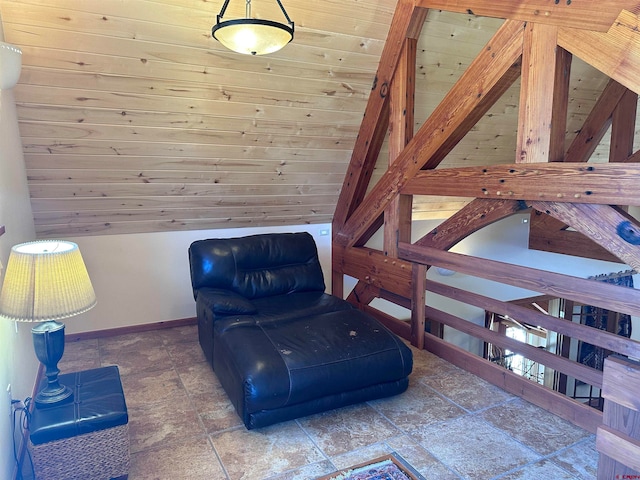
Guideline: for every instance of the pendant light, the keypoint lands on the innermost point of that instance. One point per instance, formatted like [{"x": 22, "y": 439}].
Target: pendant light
[{"x": 252, "y": 36}]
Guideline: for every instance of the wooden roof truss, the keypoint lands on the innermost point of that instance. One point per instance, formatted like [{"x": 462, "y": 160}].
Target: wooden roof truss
[{"x": 570, "y": 196}]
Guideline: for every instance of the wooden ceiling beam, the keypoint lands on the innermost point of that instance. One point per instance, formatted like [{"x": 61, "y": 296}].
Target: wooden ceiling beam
[
  {"x": 605, "y": 225},
  {"x": 549, "y": 234},
  {"x": 623, "y": 126},
  {"x": 474, "y": 216},
  {"x": 374, "y": 124},
  {"x": 537, "y": 87},
  {"x": 596, "y": 124},
  {"x": 585, "y": 15},
  {"x": 488, "y": 100},
  {"x": 397, "y": 216},
  {"x": 611, "y": 184},
  {"x": 481, "y": 76},
  {"x": 616, "y": 53}
]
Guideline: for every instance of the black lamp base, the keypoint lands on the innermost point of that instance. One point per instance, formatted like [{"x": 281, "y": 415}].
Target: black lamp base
[
  {"x": 51, "y": 397},
  {"x": 48, "y": 342}
]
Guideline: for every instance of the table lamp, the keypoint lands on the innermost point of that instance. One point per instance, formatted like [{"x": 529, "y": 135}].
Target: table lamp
[{"x": 47, "y": 281}]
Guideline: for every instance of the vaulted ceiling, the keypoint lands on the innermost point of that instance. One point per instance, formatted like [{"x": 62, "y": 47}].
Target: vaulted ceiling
[{"x": 133, "y": 119}]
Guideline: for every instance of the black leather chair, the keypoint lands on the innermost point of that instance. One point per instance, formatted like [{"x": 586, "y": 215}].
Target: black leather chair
[{"x": 281, "y": 347}]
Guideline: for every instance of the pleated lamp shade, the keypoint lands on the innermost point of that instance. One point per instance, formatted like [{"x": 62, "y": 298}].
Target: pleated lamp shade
[{"x": 45, "y": 280}]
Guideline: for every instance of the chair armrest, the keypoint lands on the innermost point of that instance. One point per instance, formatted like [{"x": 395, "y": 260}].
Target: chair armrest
[{"x": 224, "y": 302}]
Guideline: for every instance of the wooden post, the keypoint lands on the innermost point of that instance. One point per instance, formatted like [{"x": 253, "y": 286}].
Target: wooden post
[
  {"x": 618, "y": 439},
  {"x": 537, "y": 86},
  {"x": 397, "y": 216},
  {"x": 418, "y": 292}
]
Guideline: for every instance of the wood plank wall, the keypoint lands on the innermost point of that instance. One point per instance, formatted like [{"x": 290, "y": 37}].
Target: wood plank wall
[{"x": 134, "y": 120}]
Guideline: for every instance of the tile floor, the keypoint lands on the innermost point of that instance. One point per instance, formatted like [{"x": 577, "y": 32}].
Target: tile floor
[{"x": 449, "y": 424}]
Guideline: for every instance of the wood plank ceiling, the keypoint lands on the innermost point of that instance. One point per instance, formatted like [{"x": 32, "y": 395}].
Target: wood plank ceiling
[{"x": 134, "y": 120}]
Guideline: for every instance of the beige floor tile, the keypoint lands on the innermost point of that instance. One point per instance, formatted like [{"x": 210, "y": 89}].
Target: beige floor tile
[
  {"x": 467, "y": 390},
  {"x": 216, "y": 411},
  {"x": 170, "y": 409},
  {"x": 474, "y": 449},
  {"x": 536, "y": 428},
  {"x": 266, "y": 452},
  {"x": 421, "y": 460},
  {"x": 171, "y": 336},
  {"x": 198, "y": 378},
  {"x": 543, "y": 469},
  {"x": 356, "y": 457},
  {"x": 349, "y": 428},
  {"x": 307, "y": 472},
  {"x": 185, "y": 353},
  {"x": 137, "y": 361},
  {"x": 80, "y": 355},
  {"x": 581, "y": 459},
  {"x": 153, "y": 425},
  {"x": 131, "y": 341},
  {"x": 426, "y": 364},
  {"x": 152, "y": 387},
  {"x": 417, "y": 407},
  {"x": 190, "y": 459}
]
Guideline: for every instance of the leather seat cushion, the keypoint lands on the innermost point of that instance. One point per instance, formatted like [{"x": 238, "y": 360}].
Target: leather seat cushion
[{"x": 272, "y": 364}]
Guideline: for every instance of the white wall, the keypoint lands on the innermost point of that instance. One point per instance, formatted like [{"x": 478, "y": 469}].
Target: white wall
[
  {"x": 144, "y": 278},
  {"x": 18, "y": 363}
]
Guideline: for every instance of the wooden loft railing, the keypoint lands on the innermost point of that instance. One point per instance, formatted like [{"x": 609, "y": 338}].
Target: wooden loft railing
[{"x": 580, "y": 290}]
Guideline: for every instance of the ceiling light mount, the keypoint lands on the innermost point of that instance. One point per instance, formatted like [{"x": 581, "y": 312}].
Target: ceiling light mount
[{"x": 252, "y": 36}]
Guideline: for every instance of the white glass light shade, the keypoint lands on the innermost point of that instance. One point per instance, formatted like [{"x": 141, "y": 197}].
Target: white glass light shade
[
  {"x": 252, "y": 36},
  {"x": 10, "y": 65},
  {"x": 45, "y": 280}
]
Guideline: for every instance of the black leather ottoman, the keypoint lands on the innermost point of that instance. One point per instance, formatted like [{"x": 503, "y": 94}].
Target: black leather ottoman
[
  {"x": 279, "y": 370},
  {"x": 87, "y": 438}
]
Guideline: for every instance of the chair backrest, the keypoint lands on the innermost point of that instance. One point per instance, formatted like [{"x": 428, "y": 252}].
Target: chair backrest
[{"x": 257, "y": 265}]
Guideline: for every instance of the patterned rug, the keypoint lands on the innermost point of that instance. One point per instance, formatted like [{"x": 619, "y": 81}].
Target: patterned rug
[{"x": 384, "y": 468}]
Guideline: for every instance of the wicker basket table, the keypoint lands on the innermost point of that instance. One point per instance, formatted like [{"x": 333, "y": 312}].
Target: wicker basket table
[{"x": 87, "y": 439}]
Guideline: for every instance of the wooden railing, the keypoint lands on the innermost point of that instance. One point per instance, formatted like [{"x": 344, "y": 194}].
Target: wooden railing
[
  {"x": 611, "y": 297},
  {"x": 403, "y": 282}
]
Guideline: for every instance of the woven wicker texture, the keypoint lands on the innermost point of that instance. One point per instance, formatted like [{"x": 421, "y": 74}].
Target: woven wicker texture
[{"x": 99, "y": 455}]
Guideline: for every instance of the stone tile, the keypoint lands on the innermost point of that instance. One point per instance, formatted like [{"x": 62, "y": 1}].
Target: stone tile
[
  {"x": 265, "y": 452},
  {"x": 216, "y": 411},
  {"x": 172, "y": 407},
  {"x": 153, "y": 387},
  {"x": 361, "y": 455},
  {"x": 139, "y": 360},
  {"x": 185, "y": 353},
  {"x": 307, "y": 472},
  {"x": 130, "y": 341},
  {"x": 535, "y": 427},
  {"x": 176, "y": 335},
  {"x": 426, "y": 364},
  {"x": 467, "y": 390},
  {"x": 79, "y": 355},
  {"x": 474, "y": 449},
  {"x": 153, "y": 425},
  {"x": 539, "y": 470},
  {"x": 199, "y": 378},
  {"x": 188, "y": 459},
  {"x": 349, "y": 428},
  {"x": 581, "y": 459},
  {"x": 417, "y": 407},
  {"x": 422, "y": 461}
]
